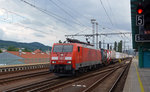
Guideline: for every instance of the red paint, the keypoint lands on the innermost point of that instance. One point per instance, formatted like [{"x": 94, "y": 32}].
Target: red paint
[
  {"x": 140, "y": 11},
  {"x": 85, "y": 55}
]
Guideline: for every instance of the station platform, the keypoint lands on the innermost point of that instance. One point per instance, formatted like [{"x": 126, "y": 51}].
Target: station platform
[
  {"x": 19, "y": 65},
  {"x": 138, "y": 79}
]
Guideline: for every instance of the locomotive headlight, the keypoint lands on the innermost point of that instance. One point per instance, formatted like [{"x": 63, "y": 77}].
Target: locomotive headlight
[
  {"x": 53, "y": 62},
  {"x": 54, "y": 58},
  {"x": 68, "y": 58},
  {"x": 69, "y": 62}
]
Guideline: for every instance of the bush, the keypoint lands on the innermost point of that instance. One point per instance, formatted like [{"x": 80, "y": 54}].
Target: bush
[
  {"x": 0, "y": 51},
  {"x": 12, "y": 48},
  {"x": 26, "y": 50}
]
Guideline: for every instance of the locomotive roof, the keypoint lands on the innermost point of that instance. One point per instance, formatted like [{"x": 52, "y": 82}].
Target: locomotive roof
[{"x": 78, "y": 44}]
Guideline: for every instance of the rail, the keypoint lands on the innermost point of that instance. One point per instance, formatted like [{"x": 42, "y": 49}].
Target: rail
[
  {"x": 119, "y": 78},
  {"x": 11, "y": 68}
]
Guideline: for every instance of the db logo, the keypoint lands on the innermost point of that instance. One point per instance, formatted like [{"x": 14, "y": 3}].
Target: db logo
[{"x": 60, "y": 61}]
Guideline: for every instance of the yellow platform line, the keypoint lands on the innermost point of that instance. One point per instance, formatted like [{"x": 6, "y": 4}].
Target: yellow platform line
[{"x": 139, "y": 79}]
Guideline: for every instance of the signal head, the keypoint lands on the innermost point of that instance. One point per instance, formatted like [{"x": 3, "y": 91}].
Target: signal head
[{"x": 140, "y": 11}]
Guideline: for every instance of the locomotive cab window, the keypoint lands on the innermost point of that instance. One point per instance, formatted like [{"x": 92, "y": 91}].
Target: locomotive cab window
[
  {"x": 63, "y": 48},
  {"x": 78, "y": 49},
  {"x": 58, "y": 48},
  {"x": 67, "y": 48}
]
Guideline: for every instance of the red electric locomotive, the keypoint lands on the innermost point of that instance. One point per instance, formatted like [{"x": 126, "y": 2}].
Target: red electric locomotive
[{"x": 69, "y": 58}]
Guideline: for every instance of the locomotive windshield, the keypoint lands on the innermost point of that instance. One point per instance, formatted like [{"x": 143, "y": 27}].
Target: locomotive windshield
[
  {"x": 63, "y": 48},
  {"x": 58, "y": 48}
]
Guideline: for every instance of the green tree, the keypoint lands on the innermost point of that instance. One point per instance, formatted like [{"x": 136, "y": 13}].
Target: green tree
[
  {"x": 115, "y": 46},
  {"x": 120, "y": 46},
  {"x": 0, "y": 51},
  {"x": 12, "y": 48},
  {"x": 40, "y": 49},
  {"x": 26, "y": 50}
]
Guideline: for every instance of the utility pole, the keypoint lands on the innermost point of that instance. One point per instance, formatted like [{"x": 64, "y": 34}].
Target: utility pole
[
  {"x": 124, "y": 45},
  {"x": 104, "y": 44},
  {"x": 93, "y": 24},
  {"x": 100, "y": 44},
  {"x": 93, "y": 21},
  {"x": 96, "y": 35},
  {"x": 108, "y": 44}
]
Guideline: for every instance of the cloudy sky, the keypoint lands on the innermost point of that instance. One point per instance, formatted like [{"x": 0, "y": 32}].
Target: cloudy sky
[{"x": 47, "y": 21}]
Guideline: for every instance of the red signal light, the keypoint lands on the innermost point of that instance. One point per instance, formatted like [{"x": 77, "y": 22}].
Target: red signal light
[{"x": 140, "y": 11}]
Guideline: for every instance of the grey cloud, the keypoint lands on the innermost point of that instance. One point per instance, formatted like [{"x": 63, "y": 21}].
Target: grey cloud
[
  {"x": 90, "y": 8},
  {"x": 33, "y": 22},
  {"x": 38, "y": 35}
]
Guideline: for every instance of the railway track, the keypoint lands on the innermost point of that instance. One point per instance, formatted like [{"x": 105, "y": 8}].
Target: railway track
[
  {"x": 119, "y": 81},
  {"x": 25, "y": 88},
  {"x": 106, "y": 77},
  {"x": 99, "y": 76},
  {"x": 24, "y": 76},
  {"x": 48, "y": 87},
  {"x": 58, "y": 82}
]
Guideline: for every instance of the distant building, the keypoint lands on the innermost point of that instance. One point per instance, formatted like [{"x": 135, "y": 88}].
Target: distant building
[
  {"x": 32, "y": 57},
  {"x": 16, "y": 57},
  {"x": 9, "y": 59},
  {"x": 37, "y": 51},
  {"x": 3, "y": 49}
]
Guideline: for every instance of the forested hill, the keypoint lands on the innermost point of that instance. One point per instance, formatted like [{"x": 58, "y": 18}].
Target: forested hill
[{"x": 30, "y": 46}]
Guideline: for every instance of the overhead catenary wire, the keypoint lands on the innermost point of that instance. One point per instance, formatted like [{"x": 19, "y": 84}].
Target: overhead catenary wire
[
  {"x": 81, "y": 14},
  {"x": 109, "y": 5},
  {"x": 7, "y": 20},
  {"x": 45, "y": 11},
  {"x": 69, "y": 14},
  {"x": 51, "y": 14},
  {"x": 58, "y": 17},
  {"x": 106, "y": 12},
  {"x": 101, "y": 27},
  {"x": 23, "y": 26},
  {"x": 70, "y": 8},
  {"x": 18, "y": 24},
  {"x": 55, "y": 16},
  {"x": 10, "y": 21},
  {"x": 65, "y": 11},
  {"x": 112, "y": 13},
  {"x": 74, "y": 11},
  {"x": 14, "y": 13}
]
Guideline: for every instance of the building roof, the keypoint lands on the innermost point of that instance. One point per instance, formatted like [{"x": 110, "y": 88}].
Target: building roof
[
  {"x": 35, "y": 54},
  {"x": 37, "y": 51},
  {"x": 9, "y": 59}
]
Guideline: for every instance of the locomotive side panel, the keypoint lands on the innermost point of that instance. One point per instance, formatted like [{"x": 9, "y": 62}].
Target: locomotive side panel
[{"x": 89, "y": 57}]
